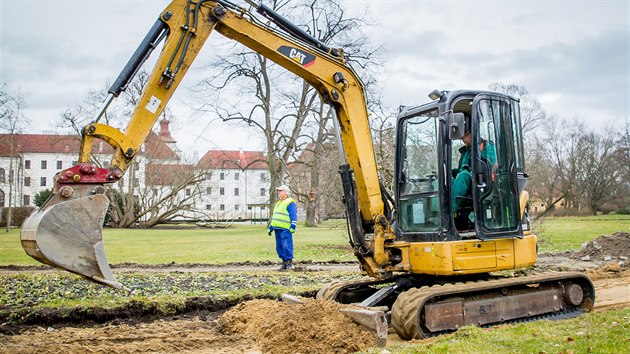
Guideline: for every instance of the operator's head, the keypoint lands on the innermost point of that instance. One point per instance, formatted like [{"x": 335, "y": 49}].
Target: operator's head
[
  {"x": 467, "y": 137},
  {"x": 283, "y": 191}
]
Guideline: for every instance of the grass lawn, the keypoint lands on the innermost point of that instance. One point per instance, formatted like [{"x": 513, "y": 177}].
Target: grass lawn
[
  {"x": 242, "y": 243},
  {"x": 568, "y": 233},
  {"x": 595, "y": 332},
  {"x": 239, "y": 243}
]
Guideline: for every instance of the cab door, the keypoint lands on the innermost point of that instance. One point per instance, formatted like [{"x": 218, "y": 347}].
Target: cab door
[{"x": 494, "y": 159}]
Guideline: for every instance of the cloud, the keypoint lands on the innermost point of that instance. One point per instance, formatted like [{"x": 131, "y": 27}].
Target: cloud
[{"x": 573, "y": 52}]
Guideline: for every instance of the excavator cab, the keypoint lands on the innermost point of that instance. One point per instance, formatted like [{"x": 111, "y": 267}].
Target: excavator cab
[{"x": 442, "y": 197}]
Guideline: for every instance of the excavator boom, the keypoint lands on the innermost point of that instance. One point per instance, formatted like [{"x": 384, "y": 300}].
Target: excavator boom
[{"x": 67, "y": 231}]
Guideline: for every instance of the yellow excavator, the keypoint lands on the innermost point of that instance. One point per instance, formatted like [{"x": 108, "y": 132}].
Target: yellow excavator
[{"x": 433, "y": 267}]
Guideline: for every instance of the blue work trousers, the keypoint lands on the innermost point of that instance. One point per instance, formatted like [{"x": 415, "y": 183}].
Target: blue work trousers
[{"x": 284, "y": 244}]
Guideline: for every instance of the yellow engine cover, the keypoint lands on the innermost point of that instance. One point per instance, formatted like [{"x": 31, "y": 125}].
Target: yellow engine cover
[{"x": 471, "y": 256}]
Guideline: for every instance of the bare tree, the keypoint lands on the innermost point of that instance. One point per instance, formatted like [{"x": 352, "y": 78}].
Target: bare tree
[
  {"x": 532, "y": 113},
  {"x": 283, "y": 124},
  {"x": 554, "y": 164},
  {"x": 623, "y": 155},
  {"x": 12, "y": 121},
  {"x": 169, "y": 191},
  {"x": 599, "y": 175},
  {"x": 382, "y": 124},
  {"x": 577, "y": 168}
]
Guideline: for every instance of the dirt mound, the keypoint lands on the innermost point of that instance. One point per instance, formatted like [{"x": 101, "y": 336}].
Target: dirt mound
[
  {"x": 312, "y": 327},
  {"x": 610, "y": 270},
  {"x": 615, "y": 247}
]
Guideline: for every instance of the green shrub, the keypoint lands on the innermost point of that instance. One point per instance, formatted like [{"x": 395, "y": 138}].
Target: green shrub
[{"x": 42, "y": 196}]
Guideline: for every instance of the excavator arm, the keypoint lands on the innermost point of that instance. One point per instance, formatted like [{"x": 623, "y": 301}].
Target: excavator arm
[{"x": 66, "y": 231}]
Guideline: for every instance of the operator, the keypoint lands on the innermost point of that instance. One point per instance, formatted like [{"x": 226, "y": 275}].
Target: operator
[
  {"x": 284, "y": 222},
  {"x": 462, "y": 176}
]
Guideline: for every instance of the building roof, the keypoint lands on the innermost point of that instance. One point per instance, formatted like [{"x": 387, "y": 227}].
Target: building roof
[
  {"x": 48, "y": 143},
  {"x": 154, "y": 147},
  {"x": 165, "y": 132},
  {"x": 231, "y": 159}
]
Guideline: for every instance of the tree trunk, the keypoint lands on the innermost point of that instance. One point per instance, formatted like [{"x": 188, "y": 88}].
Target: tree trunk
[{"x": 10, "y": 176}]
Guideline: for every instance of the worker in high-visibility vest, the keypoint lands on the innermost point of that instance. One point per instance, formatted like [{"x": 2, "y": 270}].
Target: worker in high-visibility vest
[{"x": 284, "y": 222}]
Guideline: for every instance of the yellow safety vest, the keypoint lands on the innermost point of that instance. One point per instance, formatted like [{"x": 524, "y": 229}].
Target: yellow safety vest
[{"x": 280, "y": 217}]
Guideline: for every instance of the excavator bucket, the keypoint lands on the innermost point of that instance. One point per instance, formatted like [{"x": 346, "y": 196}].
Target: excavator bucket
[{"x": 66, "y": 232}]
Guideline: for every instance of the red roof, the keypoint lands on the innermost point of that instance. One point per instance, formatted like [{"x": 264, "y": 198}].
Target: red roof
[
  {"x": 229, "y": 159},
  {"x": 154, "y": 147},
  {"x": 41, "y": 143},
  {"x": 169, "y": 175}
]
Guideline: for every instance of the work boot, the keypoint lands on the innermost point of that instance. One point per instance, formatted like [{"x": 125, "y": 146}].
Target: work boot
[
  {"x": 289, "y": 265},
  {"x": 283, "y": 267}
]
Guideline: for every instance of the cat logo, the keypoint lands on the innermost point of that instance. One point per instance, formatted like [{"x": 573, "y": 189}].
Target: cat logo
[{"x": 303, "y": 58}]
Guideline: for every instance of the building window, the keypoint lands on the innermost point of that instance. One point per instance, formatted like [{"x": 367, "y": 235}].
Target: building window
[
  {"x": 59, "y": 165},
  {"x": 208, "y": 207},
  {"x": 208, "y": 190},
  {"x": 188, "y": 192},
  {"x": 262, "y": 192},
  {"x": 27, "y": 181},
  {"x": 208, "y": 176},
  {"x": 27, "y": 164},
  {"x": 222, "y": 207},
  {"x": 222, "y": 191},
  {"x": 236, "y": 176},
  {"x": 263, "y": 176},
  {"x": 236, "y": 191},
  {"x": 2, "y": 175},
  {"x": 27, "y": 200},
  {"x": 249, "y": 207},
  {"x": 222, "y": 176},
  {"x": 42, "y": 181},
  {"x": 136, "y": 182},
  {"x": 44, "y": 164},
  {"x": 262, "y": 207},
  {"x": 236, "y": 206}
]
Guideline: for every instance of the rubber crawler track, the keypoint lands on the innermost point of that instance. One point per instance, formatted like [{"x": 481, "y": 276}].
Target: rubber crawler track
[{"x": 407, "y": 308}]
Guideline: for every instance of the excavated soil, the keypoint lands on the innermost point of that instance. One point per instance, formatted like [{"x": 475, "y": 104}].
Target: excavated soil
[
  {"x": 268, "y": 325},
  {"x": 607, "y": 248},
  {"x": 311, "y": 327},
  {"x": 256, "y": 326}
]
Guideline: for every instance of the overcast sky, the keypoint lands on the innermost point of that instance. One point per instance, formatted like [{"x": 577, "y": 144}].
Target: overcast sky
[{"x": 572, "y": 55}]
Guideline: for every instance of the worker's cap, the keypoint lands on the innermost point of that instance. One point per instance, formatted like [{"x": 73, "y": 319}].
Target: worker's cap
[{"x": 285, "y": 188}]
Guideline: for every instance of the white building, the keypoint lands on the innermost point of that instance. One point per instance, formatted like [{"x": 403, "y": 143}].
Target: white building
[
  {"x": 236, "y": 185},
  {"x": 36, "y": 159}
]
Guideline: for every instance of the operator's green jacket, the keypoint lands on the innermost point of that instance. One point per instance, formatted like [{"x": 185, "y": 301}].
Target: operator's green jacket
[{"x": 462, "y": 174}]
